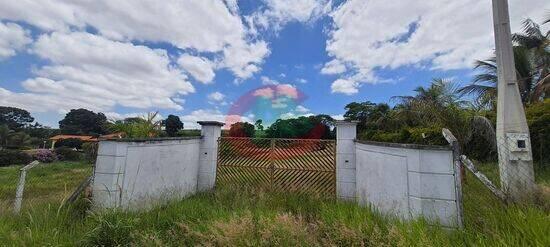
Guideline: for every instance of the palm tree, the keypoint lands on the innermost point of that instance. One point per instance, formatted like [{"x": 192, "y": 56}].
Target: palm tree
[
  {"x": 428, "y": 102},
  {"x": 537, "y": 45},
  {"x": 532, "y": 69},
  {"x": 139, "y": 127},
  {"x": 441, "y": 105}
]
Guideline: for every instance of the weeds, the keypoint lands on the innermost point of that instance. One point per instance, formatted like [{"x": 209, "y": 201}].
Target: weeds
[{"x": 246, "y": 217}]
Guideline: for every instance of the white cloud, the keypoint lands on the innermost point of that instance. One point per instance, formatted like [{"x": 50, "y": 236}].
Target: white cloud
[
  {"x": 244, "y": 59},
  {"x": 200, "y": 68},
  {"x": 301, "y": 80},
  {"x": 113, "y": 116},
  {"x": 277, "y": 13},
  {"x": 301, "y": 109},
  {"x": 268, "y": 81},
  {"x": 12, "y": 39},
  {"x": 333, "y": 67},
  {"x": 190, "y": 120},
  {"x": 344, "y": 86},
  {"x": 207, "y": 26},
  {"x": 441, "y": 34},
  {"x": 90, "y": 71},
  {"x": 216, "y": 96},
  {"x": 337, "y": 117}
]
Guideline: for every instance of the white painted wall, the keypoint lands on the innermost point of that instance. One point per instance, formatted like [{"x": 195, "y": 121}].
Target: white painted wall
[
  {"x": 141, "y": 173},
  {"x": 132, "y": 173},
  {"x": 408, "y": 181}
]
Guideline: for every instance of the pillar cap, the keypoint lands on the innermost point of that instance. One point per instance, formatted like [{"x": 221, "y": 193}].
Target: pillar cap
[
  {"x": 210, "y": 123},
  {"x": 346, "y": 122}
]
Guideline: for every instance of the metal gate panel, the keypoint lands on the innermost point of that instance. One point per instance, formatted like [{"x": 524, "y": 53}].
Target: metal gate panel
[{"x": 298, "y": 165}]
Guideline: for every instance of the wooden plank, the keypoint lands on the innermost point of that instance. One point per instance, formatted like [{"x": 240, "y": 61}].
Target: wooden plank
[
  {"x": 21, "y": 186},
  {"x": 79, "y": 190},
  {"x": 494, "y": 189}
]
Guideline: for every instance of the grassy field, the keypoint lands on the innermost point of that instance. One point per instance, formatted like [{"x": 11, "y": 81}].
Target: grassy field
[
  {"x": 258, "y": 218},
  {"x": 45, "y": 184}
]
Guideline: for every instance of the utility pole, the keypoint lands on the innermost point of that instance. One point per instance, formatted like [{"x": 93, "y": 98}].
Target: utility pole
[{"x": 513, "y": 143}]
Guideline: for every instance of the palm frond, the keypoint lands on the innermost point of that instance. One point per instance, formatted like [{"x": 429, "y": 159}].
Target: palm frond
[
  {"x": 488, "y": 78},
  {"x": 483, "y": 127},
  {"x": 477, "y": 89},
  {"x": 542, "y": 88}
]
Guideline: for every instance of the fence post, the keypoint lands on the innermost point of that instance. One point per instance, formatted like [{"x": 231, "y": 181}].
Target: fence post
[
  {"x": 208, "y": 156},
  {"x": 21, "y": 186},
  {"x": 346, "y": 132},
  {"x": 272, "y": 164}
]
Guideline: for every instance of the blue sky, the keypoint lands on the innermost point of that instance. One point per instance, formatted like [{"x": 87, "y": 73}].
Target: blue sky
[{"x": 195, "y": 59}]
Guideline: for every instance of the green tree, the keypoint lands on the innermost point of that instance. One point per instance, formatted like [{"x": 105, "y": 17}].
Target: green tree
[
  {"x": 241, "y": 129},
  {"x": 312, "y": 127},
  {"x": 15, "y": 118},
  {"x": 4, "y": 135},
  {"x": 172, "y": 125},
  {"x": 19, "y": 140},
  {"x": 259, "y": 125},
  {"x": 532, "y": 59},
  {"x": 441, "y": 106},
  {"x": 82, "y": 121},
  {"x": 370, "y": 115},
  {"x": 139, "y": 127}
]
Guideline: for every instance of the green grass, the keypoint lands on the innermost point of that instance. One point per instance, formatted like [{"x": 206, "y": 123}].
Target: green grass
[
  {"x": 258, "y": 218},
  {"x": 490, "y": 169},
  {"x": 44, "y": 184}
]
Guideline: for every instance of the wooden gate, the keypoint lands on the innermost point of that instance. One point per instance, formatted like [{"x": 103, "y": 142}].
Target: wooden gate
[{"x": 297, "y": 165}]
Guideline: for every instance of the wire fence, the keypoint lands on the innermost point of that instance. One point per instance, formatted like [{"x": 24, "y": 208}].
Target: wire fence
[{"x": 40, "y": 184}]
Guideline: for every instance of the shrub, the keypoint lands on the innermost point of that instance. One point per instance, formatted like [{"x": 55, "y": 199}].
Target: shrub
[
  {"x": 241, "y": 129},
  {"x": 538, "y": 117},
  {"x": 426, "y": 136},
  {"x": 70, "y": 143},
  {"x": 14, "y": 157},
  {"x": 45, "y": 156},
  {"x": 90, "y": 151},
  {"x": 65, "y": 153}
]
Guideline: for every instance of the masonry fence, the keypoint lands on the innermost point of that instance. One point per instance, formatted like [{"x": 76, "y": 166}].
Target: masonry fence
[{"x": 407, "y": 181}]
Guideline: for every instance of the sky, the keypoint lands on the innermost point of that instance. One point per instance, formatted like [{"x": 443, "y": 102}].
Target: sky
[{"x": 236, "y": 60}]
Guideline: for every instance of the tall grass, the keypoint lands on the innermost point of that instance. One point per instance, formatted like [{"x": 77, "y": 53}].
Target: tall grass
[
  {"x": 45, "y": 184},
  {"x": 240, "y": 217}
]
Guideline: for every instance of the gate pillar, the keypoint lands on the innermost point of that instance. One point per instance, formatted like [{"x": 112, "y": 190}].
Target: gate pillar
[
  {"x": 346, "y": 132},
  {"x": 210, "y": 132}
]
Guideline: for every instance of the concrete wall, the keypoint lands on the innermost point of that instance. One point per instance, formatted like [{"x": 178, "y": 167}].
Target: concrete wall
[
  {"x": 408, "y": 181},
  {"x": 398, "y": 179},
  {"x": 139, "y": 173}
]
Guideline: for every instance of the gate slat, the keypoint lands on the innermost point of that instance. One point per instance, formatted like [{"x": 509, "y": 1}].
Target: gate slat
[{"x": 297, "y": 165}]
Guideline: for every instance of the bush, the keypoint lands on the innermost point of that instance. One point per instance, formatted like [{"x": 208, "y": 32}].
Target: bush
[
  {"x": 538, "y": 117},
  {"x": 425, "y": 136},
  {"x": 70, "y": 143},
  {"x": 241, "y": 129},
  {"x": 65, "y": 153},
  {"x": 14, "y": 157},
  {"x": 90, "y": 151},
  {"x": 45, "y": 156}
]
